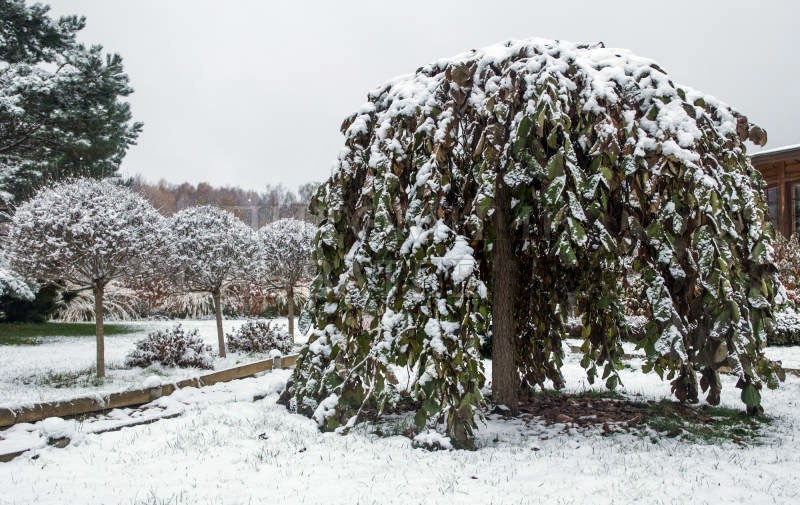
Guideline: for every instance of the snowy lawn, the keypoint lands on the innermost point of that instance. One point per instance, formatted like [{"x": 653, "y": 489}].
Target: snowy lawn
[
  {"x": 62, "y": 367},
  {"x": 228, "y": 449}
]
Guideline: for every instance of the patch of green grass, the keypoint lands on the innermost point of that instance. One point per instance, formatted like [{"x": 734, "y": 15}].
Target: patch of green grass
[
  {"x": 63, "y": 379},
  {"x": 32, "y": 333},
  {"x": 600, "y": 394},
  {"x": 707, "y": 424},
  {"x": 84, "y": 377}
]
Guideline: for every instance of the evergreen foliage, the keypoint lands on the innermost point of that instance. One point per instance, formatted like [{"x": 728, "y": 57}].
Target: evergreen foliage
[
  {"x": 605, "y": 162},
  {"x": 61, "y": 113}
]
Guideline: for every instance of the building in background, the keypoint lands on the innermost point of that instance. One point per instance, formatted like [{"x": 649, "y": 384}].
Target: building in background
[{"x": 781, "y": 170}]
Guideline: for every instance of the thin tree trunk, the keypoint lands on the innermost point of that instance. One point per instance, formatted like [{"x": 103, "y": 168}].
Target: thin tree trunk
[
  {"x": 99, "y": 331},
  {"x": 505, "y": 377},
  {"x": 218, "y": 311},
  {"x": 290, "y": 310}
]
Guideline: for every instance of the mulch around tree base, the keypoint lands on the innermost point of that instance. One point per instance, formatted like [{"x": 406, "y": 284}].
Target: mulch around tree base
[{"x": 614, "y": 414}]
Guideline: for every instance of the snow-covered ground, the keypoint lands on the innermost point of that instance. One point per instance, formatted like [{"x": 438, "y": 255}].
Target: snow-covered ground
[
  {"x": 228, "y": 449},
  {"x": 33, "y": 373}
]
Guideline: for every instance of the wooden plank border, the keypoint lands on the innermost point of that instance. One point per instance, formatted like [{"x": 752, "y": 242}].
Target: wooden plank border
[{"x": 99, "y": 403}]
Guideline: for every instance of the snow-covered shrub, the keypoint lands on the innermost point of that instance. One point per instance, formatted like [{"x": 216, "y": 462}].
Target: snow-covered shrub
[
  {"x": 171, "y": 347},
  {"x": 787, "y": 258},
  {"x": 787, "y": 328},
  {"x": 259, "y": 336}
]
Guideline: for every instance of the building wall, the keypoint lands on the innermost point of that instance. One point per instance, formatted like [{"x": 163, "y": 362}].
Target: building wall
[{"x": 781, "y": 171}]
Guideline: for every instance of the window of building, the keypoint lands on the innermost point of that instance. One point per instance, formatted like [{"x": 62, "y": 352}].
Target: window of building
[
  {"x": 773, "y": 194},
  {"x": 795, "y": 208}
]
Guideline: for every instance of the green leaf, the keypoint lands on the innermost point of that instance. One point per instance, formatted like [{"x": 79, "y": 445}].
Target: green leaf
[
  {"x": 420, "y": 418},
  {"x": 578, "y": 233},
  {"x": 555, "y": 166},
  {"x": 552, "y": 195},
  {"x": 565, "y": 251},
  {"x": 523, "y": 132},
  {"x": 750, "y": 396}
]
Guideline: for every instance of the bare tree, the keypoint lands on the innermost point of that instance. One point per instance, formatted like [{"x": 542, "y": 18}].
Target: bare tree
[
  {"x": 209, "y": 249},
  {"x": 87, "y": 232}
]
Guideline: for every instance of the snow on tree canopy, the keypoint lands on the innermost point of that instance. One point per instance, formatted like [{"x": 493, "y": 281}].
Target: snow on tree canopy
[
  {"x": 210, "y": 247},
  {"x": 85, "y": 231},
  {"x": 286, "y": 247},
  {"x": 599, "y": 156}
]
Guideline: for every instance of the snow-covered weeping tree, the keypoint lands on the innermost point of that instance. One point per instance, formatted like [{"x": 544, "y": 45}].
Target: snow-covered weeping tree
[
  {"x": 473, "y": 196},
  {"x": 285, "y": 258},
  {"x": 87, "y": 232},
  {"x": 210, "y": 248}
]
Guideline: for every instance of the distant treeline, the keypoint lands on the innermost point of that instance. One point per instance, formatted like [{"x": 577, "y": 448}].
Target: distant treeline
[{"x": 255, "y": 208}]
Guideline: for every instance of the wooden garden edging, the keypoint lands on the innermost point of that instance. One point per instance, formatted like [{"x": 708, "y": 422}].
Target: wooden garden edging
[{"x": 98, "y": 403}]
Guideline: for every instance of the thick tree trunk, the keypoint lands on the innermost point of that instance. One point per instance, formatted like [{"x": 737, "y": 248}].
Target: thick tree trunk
[
  {"x": 99, "y": 331},
  {"x": 218, "y": 312},
  {"x": 505, "y": 377},
  {"x": 290, "y": 310}
]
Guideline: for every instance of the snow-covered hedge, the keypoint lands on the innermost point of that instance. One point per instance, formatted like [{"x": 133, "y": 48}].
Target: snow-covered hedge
[
  {"x": 787, "y": 328},
  {"x": 259, "y": 336},
  {"x": 172, "y": 347}
]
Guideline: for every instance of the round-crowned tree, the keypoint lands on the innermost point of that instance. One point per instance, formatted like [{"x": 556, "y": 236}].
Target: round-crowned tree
[
  {"x": 210, "y": 248},
  {"x": 286, "y": 262},
  {"x": 473, "y": 196},
  {"x": 88, "y": 232}
]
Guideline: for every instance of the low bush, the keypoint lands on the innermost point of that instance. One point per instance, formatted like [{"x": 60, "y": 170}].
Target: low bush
[
  {"x": 787, "y": 328},
  {"x": 172, "y": 347},
  {"x": 259, "y": 336},
  {"x": 787, "y": 258}
]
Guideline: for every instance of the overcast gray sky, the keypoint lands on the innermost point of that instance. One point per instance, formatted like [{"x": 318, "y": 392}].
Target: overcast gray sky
[{"x": 252, "y": 93}]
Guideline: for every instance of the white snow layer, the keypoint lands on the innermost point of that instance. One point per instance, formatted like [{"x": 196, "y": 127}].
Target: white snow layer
[{"x": 227, "y": 449}]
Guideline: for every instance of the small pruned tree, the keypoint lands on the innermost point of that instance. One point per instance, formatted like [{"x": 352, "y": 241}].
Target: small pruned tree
[
  {"x": 87, "y": 232},
  {"x": 474, "y": 196},
  {"x": 285, "y": 258},
  {"x": 210, "y": 248}
]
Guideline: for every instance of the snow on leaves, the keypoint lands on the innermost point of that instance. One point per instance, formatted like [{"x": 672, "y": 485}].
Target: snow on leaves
[{"x": 606, "y": 159}]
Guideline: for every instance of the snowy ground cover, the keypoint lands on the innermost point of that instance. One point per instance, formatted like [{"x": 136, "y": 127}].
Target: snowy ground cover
[
  {"x": 228, "y": 449},
  {"x": 61, "y": 367}
]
